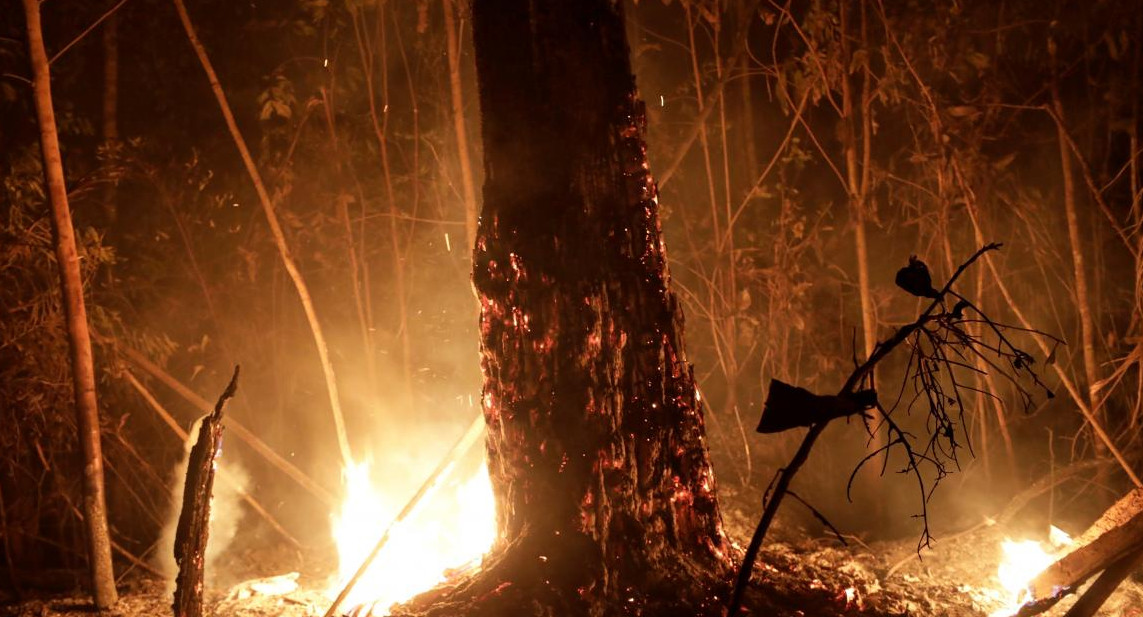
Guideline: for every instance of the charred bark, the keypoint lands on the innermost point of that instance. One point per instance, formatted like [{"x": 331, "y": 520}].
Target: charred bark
[
  {"x": 596, "y": 439},
  {"x": 192, "y": 532}
]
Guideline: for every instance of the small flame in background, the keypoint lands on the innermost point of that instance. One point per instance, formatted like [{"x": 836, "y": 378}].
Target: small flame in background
[
  {"x": 1023, "y": 560},
  {"x": 452, "y": 527}
]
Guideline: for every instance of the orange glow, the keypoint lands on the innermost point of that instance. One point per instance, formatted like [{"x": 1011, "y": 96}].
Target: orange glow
[
  {"x": 1023, "y": 560},
  {"x": 451, "y": 528}
]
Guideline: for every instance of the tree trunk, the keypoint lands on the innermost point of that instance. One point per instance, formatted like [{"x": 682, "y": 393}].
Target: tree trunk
[
  {"x": 193, "y": 529},
  {"x": 111, "y": 79},
  {"x": 79, "y": 339},
  {"x": 452, "y": 33},
  {"x": 596, "y": 443},
  {"x": 110, "y": 103},
  {"x": 1079, "y": 269},
  {"x": 277, "y": 232}
]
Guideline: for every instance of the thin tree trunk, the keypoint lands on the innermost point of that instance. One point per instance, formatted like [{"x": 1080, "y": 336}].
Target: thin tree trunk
[
  {"x": 746, "y": 132},
  {"x": 456, "y": 88},
  {"x": 1083, "y": 300},
  {"x": 110, "y": 102},
  {"x": 277, "y": 232},
  {"x": 352, "y": 248},
  {"x": 857, "y": 174},
  {"x": 722, "y": 284},
  {"x": 856, "y": 189},
  {"x": 79, "y": 338},
  {"x": 380, "y": 121}
]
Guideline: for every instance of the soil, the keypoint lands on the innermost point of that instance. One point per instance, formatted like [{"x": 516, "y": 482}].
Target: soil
[{"x": 794, "y": 578}]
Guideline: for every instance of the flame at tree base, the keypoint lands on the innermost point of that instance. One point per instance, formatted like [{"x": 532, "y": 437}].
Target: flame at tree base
[{"x": 452, "y": 527}]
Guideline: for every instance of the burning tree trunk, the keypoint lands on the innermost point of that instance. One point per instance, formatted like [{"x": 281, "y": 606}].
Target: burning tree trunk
[{"x": 596, "y": 443}]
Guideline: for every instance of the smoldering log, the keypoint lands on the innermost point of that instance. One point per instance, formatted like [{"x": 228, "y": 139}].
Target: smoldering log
[
  {"x": 192, "y": 532},
  {"x": 1092, "y": 599},
  {"x": 1111, "y": 545}
]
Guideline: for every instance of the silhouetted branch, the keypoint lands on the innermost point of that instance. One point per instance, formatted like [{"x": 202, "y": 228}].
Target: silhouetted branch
[{"x": 931, "y": 337}]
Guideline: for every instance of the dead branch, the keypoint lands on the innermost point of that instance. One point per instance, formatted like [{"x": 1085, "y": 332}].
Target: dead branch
[
  {"x": 862, "y": 374},
  {"x": 1070, "y": 571},
  {"x": 1103, "y": 586},
  {"x": 194, "y": 521}
]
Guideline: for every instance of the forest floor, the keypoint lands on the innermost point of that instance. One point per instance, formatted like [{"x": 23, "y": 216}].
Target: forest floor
[{"x": 793, "y": 577}]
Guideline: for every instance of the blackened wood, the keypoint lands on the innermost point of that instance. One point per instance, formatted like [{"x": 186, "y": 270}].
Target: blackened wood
[
  {"x": 596, "y": 442},
  {"x": 790, "y": 407},
  {"x": 193, "y": 529}
]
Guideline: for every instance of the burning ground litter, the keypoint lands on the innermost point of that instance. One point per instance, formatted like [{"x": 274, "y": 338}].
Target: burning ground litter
[{"x": 795, "y": 578}]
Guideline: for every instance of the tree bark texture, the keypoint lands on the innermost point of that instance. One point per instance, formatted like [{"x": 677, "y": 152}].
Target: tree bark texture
[
  {"x": 192, "y": 532},
  {"x": 75, "y": 313},
  {"x": 596, "y": 441}
]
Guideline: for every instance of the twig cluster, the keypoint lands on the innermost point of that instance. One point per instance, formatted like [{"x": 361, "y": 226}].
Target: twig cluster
[
  {"x": 941, "y": 341},
  {"x": 944, "y": 342}
]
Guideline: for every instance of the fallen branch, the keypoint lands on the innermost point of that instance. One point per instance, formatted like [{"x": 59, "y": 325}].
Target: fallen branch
[
  {"x": 1015, "y": 505},
  {"x": 1107, "y": 548},
  {"x": 1113, "y": 544},
  {"x": 1105, "y": 585},
  {"x": 194, "y": 521}
]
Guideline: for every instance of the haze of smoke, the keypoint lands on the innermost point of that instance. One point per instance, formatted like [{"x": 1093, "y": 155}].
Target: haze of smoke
[{"x": 226, "y": 512}]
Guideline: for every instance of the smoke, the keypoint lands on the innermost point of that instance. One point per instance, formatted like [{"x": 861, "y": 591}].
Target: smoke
[{"x": 230, "y": 484}]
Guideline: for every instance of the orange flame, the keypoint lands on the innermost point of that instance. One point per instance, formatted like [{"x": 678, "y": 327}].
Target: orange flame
[
  {"x": 449, "y": 529},
  {"x": 1023, "y": 561}
]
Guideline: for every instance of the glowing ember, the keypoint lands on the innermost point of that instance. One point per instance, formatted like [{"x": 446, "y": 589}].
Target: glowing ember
[
  {"x": 1023, "y": 560},
  {"x": 449, "y": 529}
]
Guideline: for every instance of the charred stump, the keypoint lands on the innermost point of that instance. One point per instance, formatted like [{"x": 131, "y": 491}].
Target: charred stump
[
  {"x": 192, "y": 532},
  {"x": 596, "y": 440}
]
